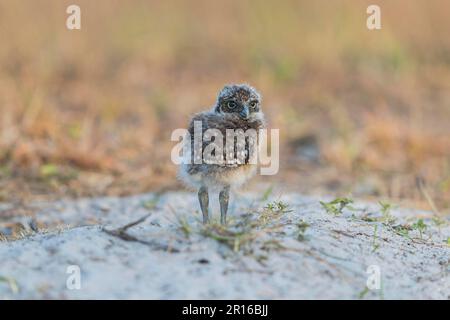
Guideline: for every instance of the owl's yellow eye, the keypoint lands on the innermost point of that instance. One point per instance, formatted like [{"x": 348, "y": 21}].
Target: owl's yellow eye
[
  {"x": 253, "y": 104},
  {"x": 231, "y": 104}
]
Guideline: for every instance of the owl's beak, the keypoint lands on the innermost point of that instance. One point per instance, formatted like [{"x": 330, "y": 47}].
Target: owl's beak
[{"x": 245, "y": 113}]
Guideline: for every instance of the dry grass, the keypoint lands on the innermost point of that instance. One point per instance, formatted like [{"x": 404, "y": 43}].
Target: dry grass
[
  {"x": 250, "y": 231},
  {"x": 90, "y": 112}
]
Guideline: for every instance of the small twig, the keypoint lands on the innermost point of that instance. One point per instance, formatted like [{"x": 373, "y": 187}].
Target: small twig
[
  {"x": 132, "y": 224},
  {"x": 122, "y": 234},
  {"x": 343, "y": 233},
  {"x": 122, "y": 231}
]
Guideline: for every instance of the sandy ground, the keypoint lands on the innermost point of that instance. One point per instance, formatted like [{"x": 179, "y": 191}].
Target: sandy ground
[{"x": 157, "y": 260}]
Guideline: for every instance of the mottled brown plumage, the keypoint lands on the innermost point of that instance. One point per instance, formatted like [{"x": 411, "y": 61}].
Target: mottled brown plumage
[{"x": 238, "y": 107}]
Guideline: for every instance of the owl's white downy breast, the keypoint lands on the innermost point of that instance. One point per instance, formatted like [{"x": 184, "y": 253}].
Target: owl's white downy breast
[{"x": 216, "y": 178}]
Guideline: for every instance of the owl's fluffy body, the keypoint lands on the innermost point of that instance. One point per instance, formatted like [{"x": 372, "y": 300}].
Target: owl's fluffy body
[{"x": 217, "y": 176}]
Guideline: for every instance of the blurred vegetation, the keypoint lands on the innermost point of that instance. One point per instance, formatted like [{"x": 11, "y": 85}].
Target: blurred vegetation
[{"x": 90, "y": 112}]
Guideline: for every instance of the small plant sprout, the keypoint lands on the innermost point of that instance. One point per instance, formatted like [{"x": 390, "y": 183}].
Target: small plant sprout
[
  {"x": 301, "y": 229},
  {"x": 402, "y": 230},
  {"x": 184, "y": 226},
  {"x": 438, "y": 222},
  {"x": 375, "y": 245},
  {"x": 272, "y": 212},
  {"x": 267, "y": 193},
  {"x": 150, "y": 204},
  {"x": 387, "y": 218},
  {"x": 336, "y": 206},
  {"x": 420, "y": 226},
  {"x": 12, "y": 283},
  {"x": 363, "y": 293},
  {"x": 279, "y": 206}
]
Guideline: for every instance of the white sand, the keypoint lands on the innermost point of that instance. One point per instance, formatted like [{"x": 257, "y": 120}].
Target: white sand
[{"x": 330, "y": 263}]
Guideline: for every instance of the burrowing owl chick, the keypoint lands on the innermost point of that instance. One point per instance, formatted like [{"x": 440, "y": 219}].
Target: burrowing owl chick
[{"x": 237, "y": 107}]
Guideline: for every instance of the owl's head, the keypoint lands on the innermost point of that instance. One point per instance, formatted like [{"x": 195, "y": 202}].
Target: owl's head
[{"x": 240, "y": 99}]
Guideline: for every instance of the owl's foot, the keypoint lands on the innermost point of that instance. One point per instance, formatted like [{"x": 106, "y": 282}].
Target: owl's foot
[
  {"x": 203, "y": 198},
  {"x": 224, "y": 196}
]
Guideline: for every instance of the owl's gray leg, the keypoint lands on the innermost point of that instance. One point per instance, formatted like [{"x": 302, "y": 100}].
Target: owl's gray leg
[
  {"x": 203, "y": 198},
  {"x": 224, "y": 196}
]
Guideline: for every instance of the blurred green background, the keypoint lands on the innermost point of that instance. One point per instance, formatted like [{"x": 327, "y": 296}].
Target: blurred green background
[{"x": 360, "y": 112}]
